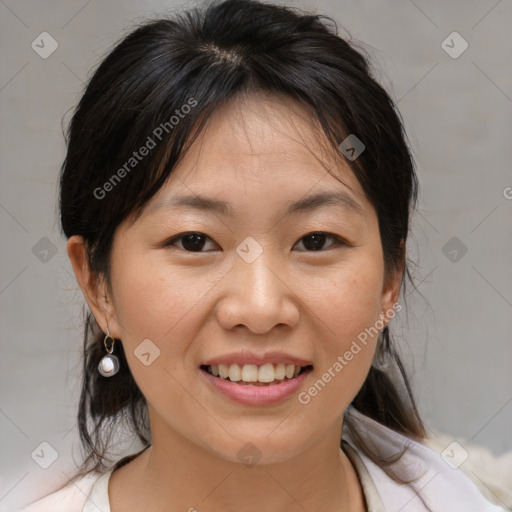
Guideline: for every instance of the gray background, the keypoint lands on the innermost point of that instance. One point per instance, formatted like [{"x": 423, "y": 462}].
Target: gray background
[{"x": 458, "y": 114}]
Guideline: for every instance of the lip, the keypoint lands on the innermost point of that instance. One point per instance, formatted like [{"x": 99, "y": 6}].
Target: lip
[
  {"x": 273, "y": 357},
  {"x": 257, "y": 395}
]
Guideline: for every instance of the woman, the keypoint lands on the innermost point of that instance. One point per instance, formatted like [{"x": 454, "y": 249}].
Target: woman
[{"x": 236, "y": 197}]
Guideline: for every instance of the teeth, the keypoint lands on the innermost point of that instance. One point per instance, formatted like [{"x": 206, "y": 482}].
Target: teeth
[
  {"x": 223, "y": 371},
  {"x": 249, "y": 372},
  {"x": 265, "y": 373},
  {"x": 235, "y": 373},
  {"x": 280, "y": 372}
]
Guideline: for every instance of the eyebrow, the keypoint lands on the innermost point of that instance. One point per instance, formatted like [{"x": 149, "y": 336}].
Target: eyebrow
[{"x": 305, "y": 204}]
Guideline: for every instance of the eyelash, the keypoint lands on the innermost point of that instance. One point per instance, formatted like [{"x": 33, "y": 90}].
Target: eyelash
[{"x": 338, "y": 240}]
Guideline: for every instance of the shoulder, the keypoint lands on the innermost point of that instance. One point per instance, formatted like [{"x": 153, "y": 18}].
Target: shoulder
[
  {"x": 70, "y": 498},
  {"x": 73, "y": 496},
  {"x": 432, "y": 483},
  {"x": 492, "y": 474}
]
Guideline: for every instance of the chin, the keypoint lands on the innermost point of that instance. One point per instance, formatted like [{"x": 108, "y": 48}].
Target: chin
[{"x": 258, "y": 450}]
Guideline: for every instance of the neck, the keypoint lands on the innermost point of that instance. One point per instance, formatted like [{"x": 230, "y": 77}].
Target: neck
[{"x": 174, "y": 472}]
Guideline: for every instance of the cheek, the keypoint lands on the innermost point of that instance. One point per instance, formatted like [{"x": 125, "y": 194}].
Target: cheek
[
  {"x": 164, "y": 306},
  {"x": 150, "y": 299},
  {"x": 354, "y": 304},
  {"x": 346, "y": 300},
  {"x": 162, "y": 303},
  {"x": 345, "y": 307}
]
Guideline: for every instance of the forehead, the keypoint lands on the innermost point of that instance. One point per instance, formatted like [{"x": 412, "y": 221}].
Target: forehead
[{"x": 266, "y": 150}]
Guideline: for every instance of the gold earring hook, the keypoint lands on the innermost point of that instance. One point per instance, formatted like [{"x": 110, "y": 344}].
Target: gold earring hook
[{"x": 111, "y": 349}]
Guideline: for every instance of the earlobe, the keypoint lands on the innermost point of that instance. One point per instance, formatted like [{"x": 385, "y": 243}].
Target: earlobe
[
  {"x": 390, "y": 306},
  {"x": 391, "y": 291},
  {"x": 390, "y": 300}
]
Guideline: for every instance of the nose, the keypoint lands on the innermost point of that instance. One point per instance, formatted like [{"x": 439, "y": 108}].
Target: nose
[{"x": 258, "y": 296}]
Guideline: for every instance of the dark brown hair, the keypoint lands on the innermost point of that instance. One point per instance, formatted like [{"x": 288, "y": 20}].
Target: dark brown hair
[{"x": 202, "y": 58}]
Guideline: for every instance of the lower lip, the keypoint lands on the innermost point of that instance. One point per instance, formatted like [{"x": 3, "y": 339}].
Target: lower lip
[{"x": 257, "y": 395}]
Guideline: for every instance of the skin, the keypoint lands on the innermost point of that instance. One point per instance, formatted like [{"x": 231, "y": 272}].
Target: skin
[{"x": 259, "y": 153}]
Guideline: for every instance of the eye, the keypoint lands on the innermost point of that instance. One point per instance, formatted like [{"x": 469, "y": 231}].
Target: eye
[
  {"x": 190, "y": 242},
  {"x": 315, "y": 241},
  {"x": 195, "y": 241}
]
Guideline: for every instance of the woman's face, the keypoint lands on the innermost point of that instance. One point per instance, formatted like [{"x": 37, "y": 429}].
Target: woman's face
[{"x": 251, "y": 283}]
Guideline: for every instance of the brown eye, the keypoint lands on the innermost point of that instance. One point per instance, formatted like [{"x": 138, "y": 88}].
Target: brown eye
[
  {"x": 196, "y": 242},
  {"x": 190, "y": 242},
  {"x": 316, "y": 241}
]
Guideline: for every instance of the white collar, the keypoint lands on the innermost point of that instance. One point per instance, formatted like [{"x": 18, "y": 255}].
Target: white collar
[{"x": 439, "y": 487}]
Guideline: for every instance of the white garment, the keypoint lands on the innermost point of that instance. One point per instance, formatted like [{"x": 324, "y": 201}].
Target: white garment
[{"x": 440, "y": 489}]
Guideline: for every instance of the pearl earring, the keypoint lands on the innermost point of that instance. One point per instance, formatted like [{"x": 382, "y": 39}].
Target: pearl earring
[{"x": 109, "y": 364}]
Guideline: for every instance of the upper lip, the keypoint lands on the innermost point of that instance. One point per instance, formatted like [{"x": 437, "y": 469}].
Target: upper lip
[{"x": 273, "y": 357}]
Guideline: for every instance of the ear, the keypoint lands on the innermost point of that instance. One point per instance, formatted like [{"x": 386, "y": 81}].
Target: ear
[
  {"x": 93, "y": 287},
  {"x": 392, "y": 285}
]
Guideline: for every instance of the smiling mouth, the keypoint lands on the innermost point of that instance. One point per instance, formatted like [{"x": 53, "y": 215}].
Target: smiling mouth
[{"x": 254, "y": 376}]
